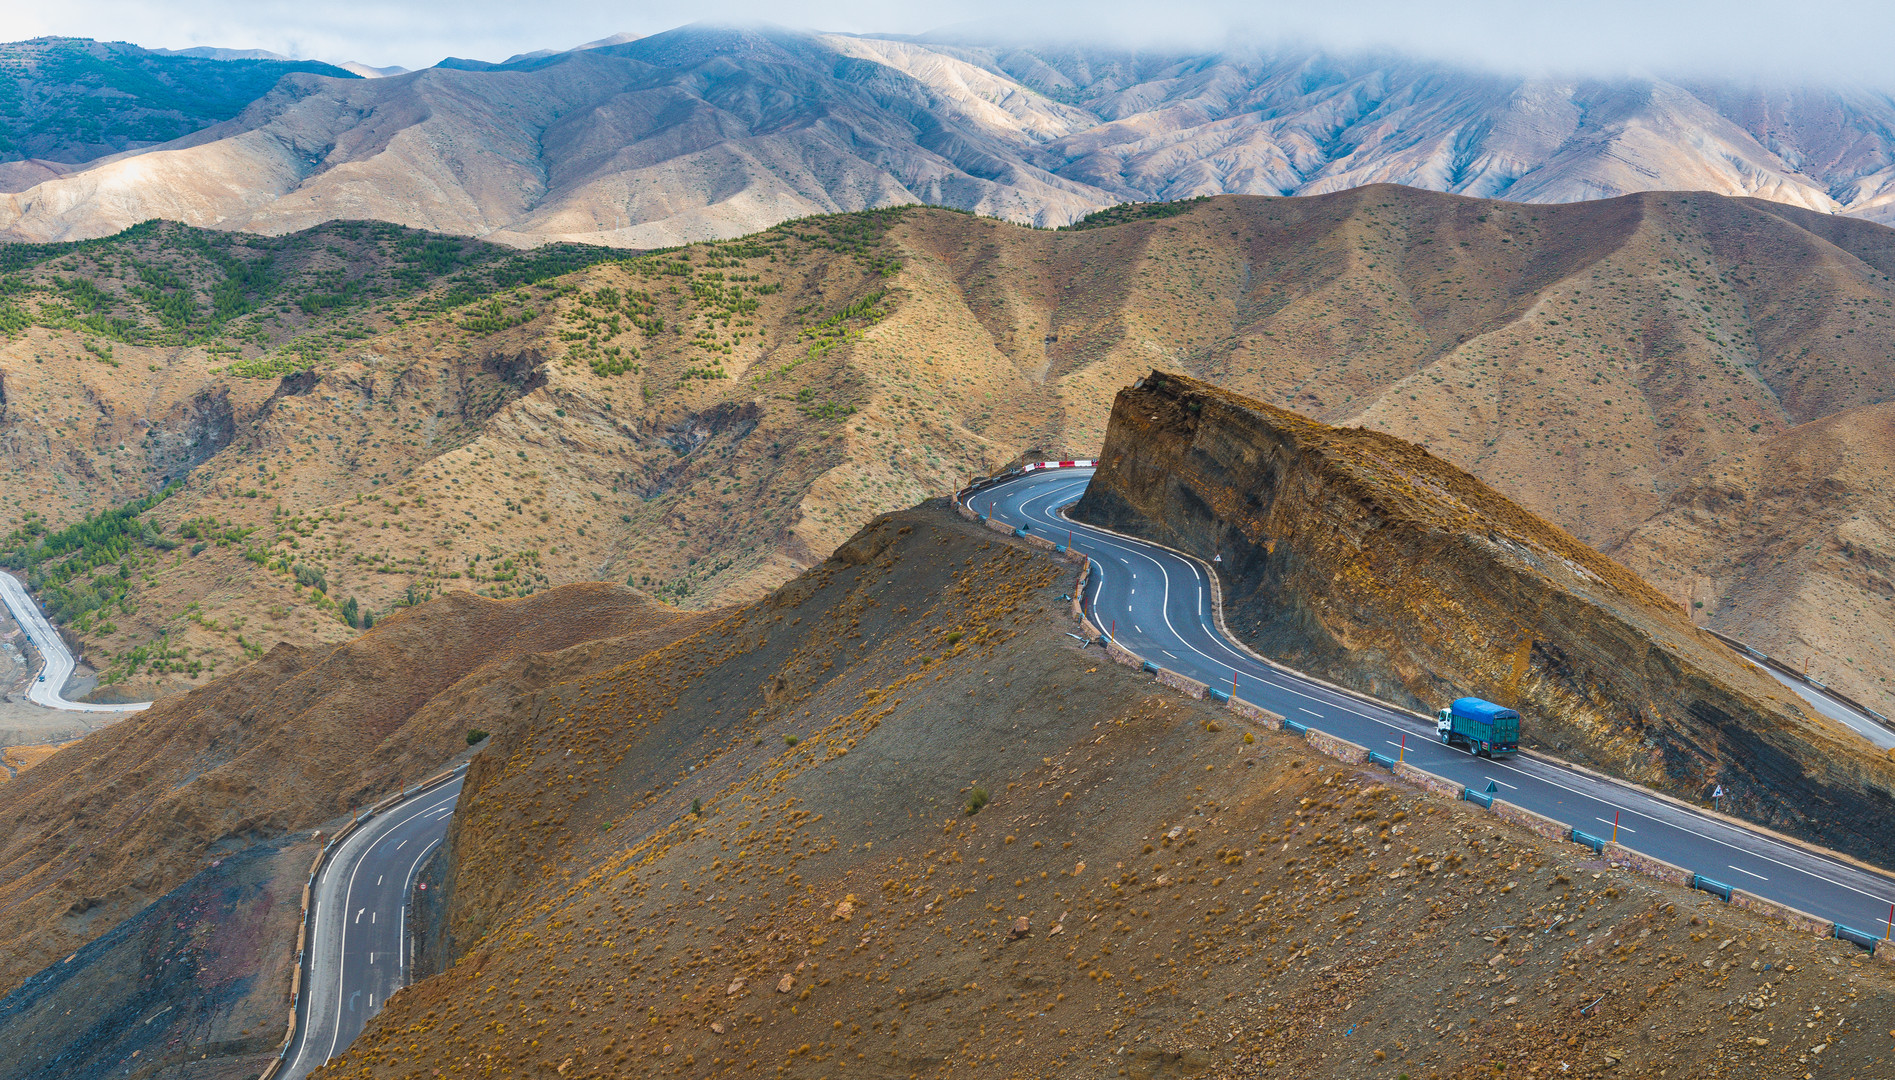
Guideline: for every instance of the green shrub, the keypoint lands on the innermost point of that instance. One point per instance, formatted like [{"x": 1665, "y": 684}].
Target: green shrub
[
  {"x": 790, "y": 740},
  {"x": 976, "y": 799},
  {"x": 474, "y": 735}
]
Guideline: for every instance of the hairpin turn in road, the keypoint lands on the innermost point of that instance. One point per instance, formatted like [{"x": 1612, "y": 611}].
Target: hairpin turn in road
[{"x": 1161, "y": 605}]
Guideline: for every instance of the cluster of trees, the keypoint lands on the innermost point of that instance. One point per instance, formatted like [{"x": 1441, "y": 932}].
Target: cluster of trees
[{"x": 87, "y": 565}]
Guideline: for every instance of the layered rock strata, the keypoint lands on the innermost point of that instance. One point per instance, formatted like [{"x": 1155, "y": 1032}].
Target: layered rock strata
[{"x": 1366, "y": 560}]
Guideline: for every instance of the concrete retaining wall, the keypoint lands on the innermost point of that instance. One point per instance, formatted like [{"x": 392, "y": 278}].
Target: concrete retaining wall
[
  {"x": 1187, "y": 687},
  {"x": 1428, "y": 781},
  {"x": 966, "y": 511},
  {"x": 1252, "y": 711},
  {"x": 1783, "y": 913},
  {"x": 1000, "y": 526},
  {"x": 1527, "y": 819},
  {"x": 1118, "y": 655},
  {"x": 1640, "y": 863},
  {"x": 1340, "y": 749}
]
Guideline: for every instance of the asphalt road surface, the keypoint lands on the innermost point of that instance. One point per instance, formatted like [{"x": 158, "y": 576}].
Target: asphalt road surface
[
  {"x": 1160, "y": 603},
  {"x": 1866, "y": 726},
  {"x": 45, "y": 690},
  {"x": 358, "y": 952}
]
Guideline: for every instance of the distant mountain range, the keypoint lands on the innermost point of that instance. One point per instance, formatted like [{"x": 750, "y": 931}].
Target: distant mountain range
[{"x": 711, "y": 131}]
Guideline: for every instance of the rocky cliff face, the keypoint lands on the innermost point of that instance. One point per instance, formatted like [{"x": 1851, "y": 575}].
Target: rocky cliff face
[{"x": 1365, "y": 559}]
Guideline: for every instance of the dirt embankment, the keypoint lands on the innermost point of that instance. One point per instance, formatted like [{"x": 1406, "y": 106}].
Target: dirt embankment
[
  {"x": 1370, "y": 561},
  {"x": 105, "y": 826},
  {"x": 752, "y": 853}
]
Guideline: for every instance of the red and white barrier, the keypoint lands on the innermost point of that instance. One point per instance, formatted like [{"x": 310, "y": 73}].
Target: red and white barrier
[{"x": 1058, "y": 465}]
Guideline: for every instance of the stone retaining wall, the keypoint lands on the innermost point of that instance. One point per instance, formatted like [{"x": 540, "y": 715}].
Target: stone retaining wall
[
  {"x": 1428, "y": 781},
  {"x": 1118, "y": 655},
  {"x": 1640, "y": 863},
  {"x": 1533, "y": 822},
  {"x": 1783, "y": 913},
  {"x": 1340, "y": 749},
  {"x": 1187, "y": 687},
  {"x": 1000, "y": 526},
  {"x": 1252, "y": 711}
]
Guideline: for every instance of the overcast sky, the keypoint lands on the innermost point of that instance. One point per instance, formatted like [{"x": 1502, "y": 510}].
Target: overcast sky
[{"x": 1829, "y": 40}]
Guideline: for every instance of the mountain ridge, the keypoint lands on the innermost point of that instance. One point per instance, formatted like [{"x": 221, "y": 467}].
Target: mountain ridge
[{"x": 711, "y": 131}]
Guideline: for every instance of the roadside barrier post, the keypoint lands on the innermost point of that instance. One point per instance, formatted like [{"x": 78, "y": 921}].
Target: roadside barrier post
[
  {"x": 1402, "y": 754},
  {"x": 1615, "y": 826}
]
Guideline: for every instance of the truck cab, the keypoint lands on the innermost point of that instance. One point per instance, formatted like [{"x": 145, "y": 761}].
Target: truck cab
[{"x": 1482, "y": 728}]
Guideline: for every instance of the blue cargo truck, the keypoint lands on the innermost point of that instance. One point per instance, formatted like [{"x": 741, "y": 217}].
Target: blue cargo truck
[{"x": 1482, "y": 728}]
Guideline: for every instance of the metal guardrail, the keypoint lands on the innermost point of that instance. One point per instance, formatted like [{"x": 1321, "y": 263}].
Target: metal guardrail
[
  {"x": 1478, "y": 798},
  {"x": 1291, "y": 725},
  {"x": 1858, "y": 937},
  {"x": 1149, "y": 666},
  {"x": 1383, "y": 760},
  {"x": 1215, "y": 694},
  {"x": 1715, "y": 888},
  {"x": 1597, "y": 844}
]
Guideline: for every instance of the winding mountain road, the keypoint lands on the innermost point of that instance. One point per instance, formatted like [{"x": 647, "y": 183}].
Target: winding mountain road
[
  {"x": 45, "y": 690},
  {"x": 1161, "y": 604},
  {"x": 359, "y": 948}
]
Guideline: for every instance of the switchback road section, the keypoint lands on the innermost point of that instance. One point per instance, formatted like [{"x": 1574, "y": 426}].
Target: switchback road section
[
  {"x": 1159, "y": 605},
  {"x": 45, "y": 690},
  {"x": 359, "y": 947}
]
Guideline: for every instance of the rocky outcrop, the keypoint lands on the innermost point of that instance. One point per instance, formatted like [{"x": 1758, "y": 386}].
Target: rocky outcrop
[
  {"x": 1365, "y": 559},
  {"x": 192, "y": 433}
]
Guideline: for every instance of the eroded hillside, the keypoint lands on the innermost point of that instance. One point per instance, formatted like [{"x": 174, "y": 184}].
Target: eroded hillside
[
  {"x": 1353, "y": 554},
  {"x": 892, "y": 822},
  {"x": 706, "y": 422}
]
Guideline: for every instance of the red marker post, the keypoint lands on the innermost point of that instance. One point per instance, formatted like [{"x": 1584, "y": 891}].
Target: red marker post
[
  {"x": 1402, "y": 754},
  {"x": 1615, "y": 826}
]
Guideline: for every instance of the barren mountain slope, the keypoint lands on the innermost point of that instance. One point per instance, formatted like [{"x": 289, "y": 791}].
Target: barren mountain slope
[
  {"x": 708, "y": 131},
  {"x": 1790, "y": 545},
  {"x": 892, "y": 822},
  {"x": 706, "y": 423},
  {"x": 1374, "y": 563},
  {"x": 668, "y": 139}
]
